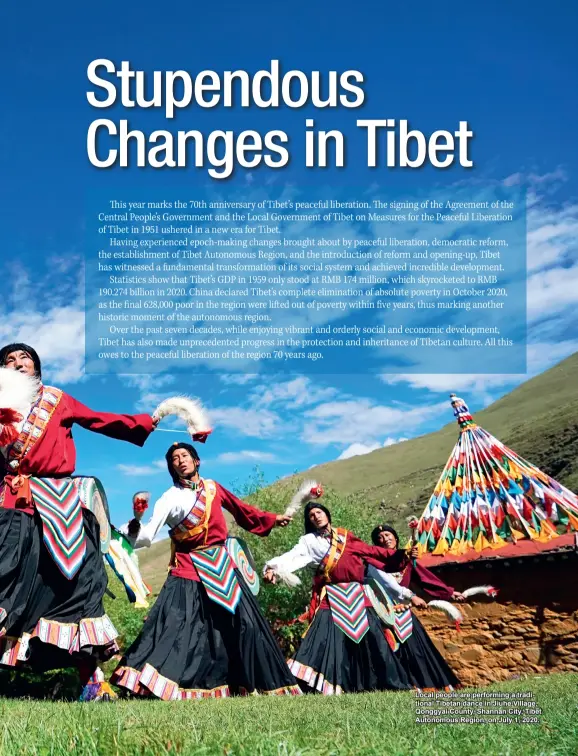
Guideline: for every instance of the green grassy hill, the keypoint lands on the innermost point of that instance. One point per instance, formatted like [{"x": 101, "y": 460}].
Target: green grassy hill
[
  {"x": 154, "y": 564},
  {"x": 539, "y": 420}
]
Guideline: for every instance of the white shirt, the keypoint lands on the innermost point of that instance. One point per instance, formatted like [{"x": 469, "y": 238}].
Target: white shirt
[
  {"x": 171, "y": 509},
  {"x": 309, "y": 550}
]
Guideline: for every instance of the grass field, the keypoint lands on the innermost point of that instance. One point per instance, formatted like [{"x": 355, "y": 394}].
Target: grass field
[{"x": 360, "y": 725}]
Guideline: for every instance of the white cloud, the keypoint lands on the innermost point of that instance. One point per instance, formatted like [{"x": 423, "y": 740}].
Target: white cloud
[
  {"x": 47, "y": 312},
  {"x": 534, "y": 179},
  {"x": 256, "y": 423},
  {"x": 136, "y": 471},
  {"x": 393, "y": 441},
  {"x": 295, "y": 393},
  {"x": 57, "y": 335},
  {"x": 551, "y": 235},
  {"x": 361, "y": 421},
  {"x": 230, "y": 458},
  {"x": 267, "y": 405},
  {"x": 147, "y": 383},
  {"x": 237, "y": 379},
  {"x": 552, "y": 291},
  {"x": 356, "y": 449},
  {"x": 513, "y": 180},
  {"x": 541, "y": 356},
  {"x": 148, "y": 401},
  {"x": 151, "y": 393},
  {"x": 445, "y": 384}
]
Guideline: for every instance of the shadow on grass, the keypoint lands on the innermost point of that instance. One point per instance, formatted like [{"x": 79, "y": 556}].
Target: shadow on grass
[{"x": 56, "y": 685}]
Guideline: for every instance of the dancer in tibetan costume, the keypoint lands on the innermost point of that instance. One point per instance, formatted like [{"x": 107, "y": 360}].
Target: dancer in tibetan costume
[
  {"x": 422, "y": 662},
  {"x": 52, "y": 575},
  {"x": 344, "y": 649},
  {"x": 205, "y": 637}
]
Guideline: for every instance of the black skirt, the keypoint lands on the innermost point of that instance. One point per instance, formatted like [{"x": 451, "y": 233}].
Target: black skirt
[
  {"x": 191, "y": 647},
  {"x": 329, "y": 662},
  {"x": 423, "y": 663},
  {"x": 46, "y": 621}
]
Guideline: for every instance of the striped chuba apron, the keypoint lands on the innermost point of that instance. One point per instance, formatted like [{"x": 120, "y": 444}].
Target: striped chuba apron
[
  {"x": 58, "y": 501},
  {"x": 213, "y": 564},
  {"x": 346, "y": 600},
  {"x": 403, "y": 625}
]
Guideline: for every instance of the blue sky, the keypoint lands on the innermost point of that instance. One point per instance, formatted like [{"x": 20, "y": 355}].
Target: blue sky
[{"x": 508, "y": 69}]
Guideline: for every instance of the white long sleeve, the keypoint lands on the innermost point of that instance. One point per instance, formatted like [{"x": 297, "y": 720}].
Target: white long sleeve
[
  {"x": 148, "y": 532},
  {"x": 291, "y": 561},
  {"x": 309, "y": 550},
  {"x": 171, "y": 509}
]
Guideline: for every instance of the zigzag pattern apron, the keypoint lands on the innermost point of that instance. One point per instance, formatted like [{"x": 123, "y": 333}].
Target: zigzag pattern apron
[
  {"x": 403, "y": 624},
  {"x": 59, "y": 506},
  {"x": 217, "y": 573},
  {"x": 347, "y": 604}
]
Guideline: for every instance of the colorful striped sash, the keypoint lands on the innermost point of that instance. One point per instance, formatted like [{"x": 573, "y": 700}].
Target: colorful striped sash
[
  {"x": 57, "y": 501},
  {"x": 334, "y": 552},
  {"x": 34, "y": 425},
  {"x": 347, "y": 604},
  {"x": 217, "y": 573},
  {"x": 403, "y": 624},
  {"x": 197, "y": 520}
]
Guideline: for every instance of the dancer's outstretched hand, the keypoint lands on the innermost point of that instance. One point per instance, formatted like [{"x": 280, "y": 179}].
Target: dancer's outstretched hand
[
  {"x": 414, "y": 553},
  {"x": 283, "y": 520},
  {"x": 269, "y": 577},
  {"x": 419, "y": 602},
  {"x": 457, "y": 596}
]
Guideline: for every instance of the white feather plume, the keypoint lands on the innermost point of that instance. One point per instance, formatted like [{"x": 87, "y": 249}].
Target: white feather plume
[
  {"x": 284, "y": 575},
  {"x": 290, "y": 580},
  {"x": 448, "y": 609},
  {"x": 18, "y": 391},
  {"x": 486, "y": 590},
  {"x": 189, "y": 410},
  {"x": 310, "y": 490}
]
